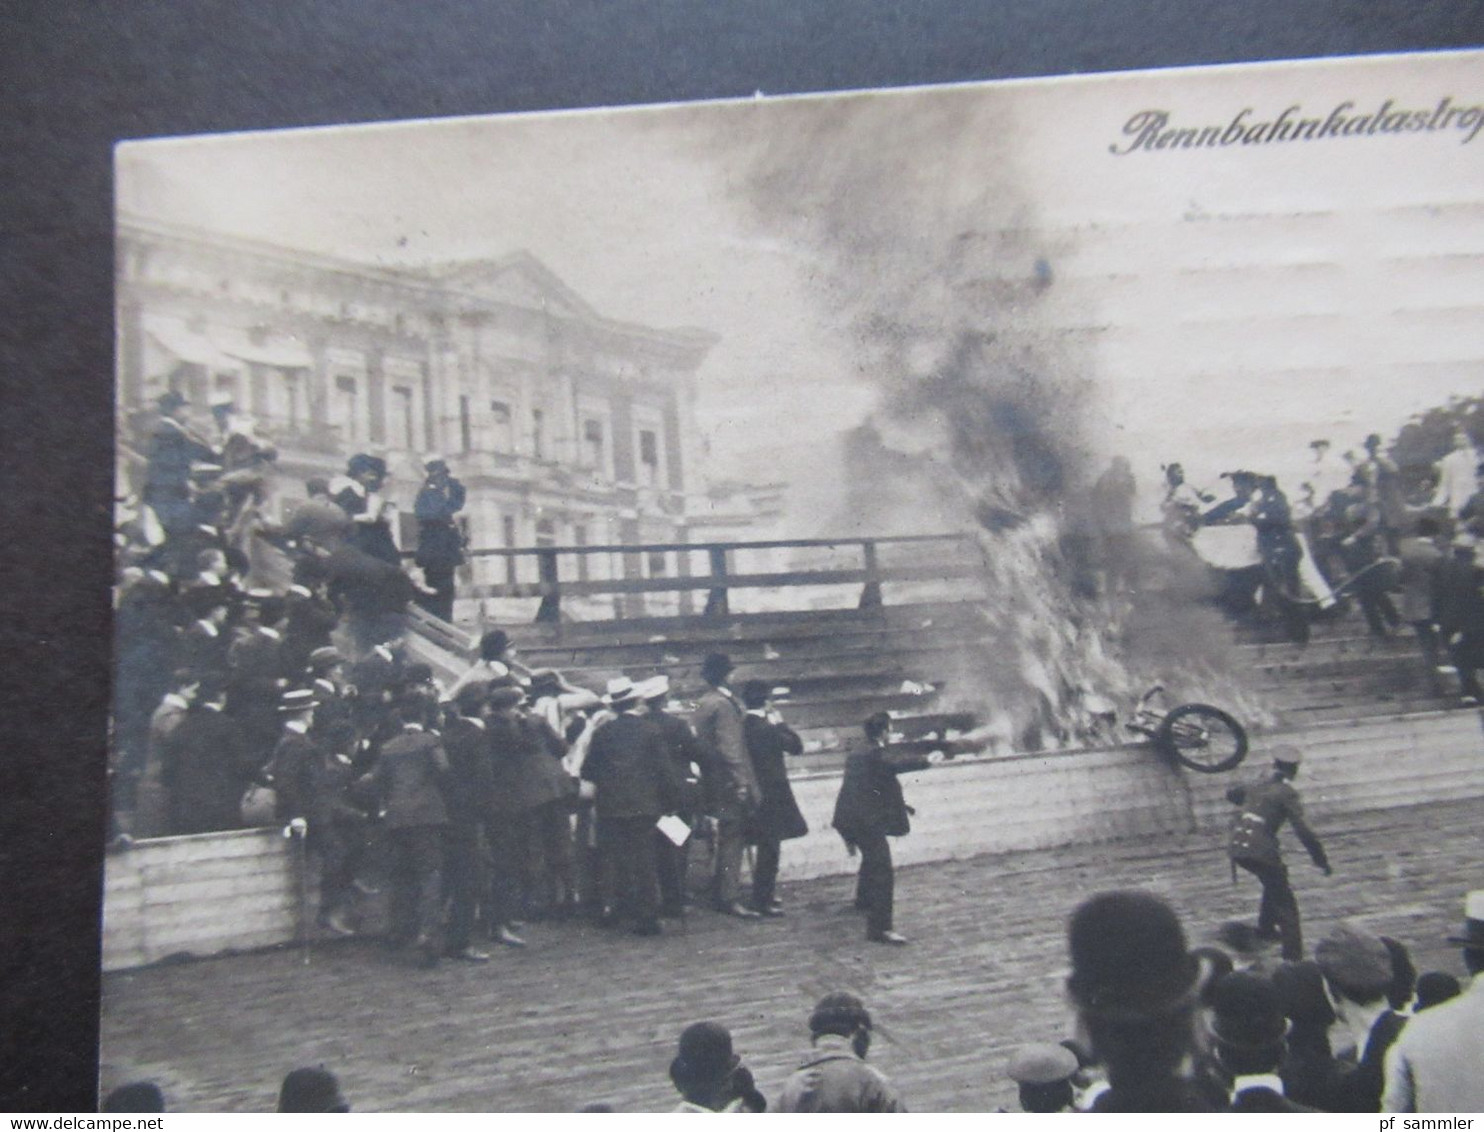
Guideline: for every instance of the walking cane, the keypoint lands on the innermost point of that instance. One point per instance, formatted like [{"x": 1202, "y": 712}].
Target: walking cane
[{"x": 295, "y": 831}]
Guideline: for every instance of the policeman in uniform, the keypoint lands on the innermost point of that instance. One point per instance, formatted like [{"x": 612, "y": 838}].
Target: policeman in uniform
[{"x": 1262, "y": 808}]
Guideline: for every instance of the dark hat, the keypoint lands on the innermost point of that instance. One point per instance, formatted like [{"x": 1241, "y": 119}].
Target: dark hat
[
  {"x": 363, "y": 462},
  {"x": 1041, "y": 1064},
  {"x": 1300, "y": 988},
  {"x": 839, "y": 1013},
  {"x": 435, "y": 464},
  {"x": 705, "y": 1054},
  {"x": 755, "y": 693},
  {"x": 170, "y": 399},
  {"x": 1434, "y": 987},
  {"x": 503, "y": 696},
  {"x": 137, "y": 1096},
  {"x": 493, "y": 644},
  {"x": 1129, "y": 957},
  {"x": 1472, "y": 937},
  {"x": 297, "y": 699},
  {"x": 545, "y": 682},
  {"x": 472, "y": 696},
  {"x": 1247, "y": 1012},
  {"x": 311, "y": 1090},
  {"x": 1355, "y": 959},
  {"x": 715, "y": 668},
  {"x": 326, "y": 656}
]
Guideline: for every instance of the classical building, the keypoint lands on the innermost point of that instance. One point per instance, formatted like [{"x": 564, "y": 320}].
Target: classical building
[{"x": 568, "y": 428}]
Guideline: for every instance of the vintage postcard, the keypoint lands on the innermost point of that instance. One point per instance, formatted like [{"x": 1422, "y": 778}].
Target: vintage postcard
[{"x": 699, "y": 605}]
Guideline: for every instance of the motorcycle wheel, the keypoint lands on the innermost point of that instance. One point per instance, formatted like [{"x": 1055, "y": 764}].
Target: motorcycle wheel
[{"x": 1203, "y": 738}]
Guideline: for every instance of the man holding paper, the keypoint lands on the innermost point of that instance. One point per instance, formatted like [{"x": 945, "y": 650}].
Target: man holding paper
[{"x": 631, "y": 770}]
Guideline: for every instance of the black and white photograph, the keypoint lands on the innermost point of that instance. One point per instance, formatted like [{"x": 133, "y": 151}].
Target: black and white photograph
[{"x": 953, "y": 598}]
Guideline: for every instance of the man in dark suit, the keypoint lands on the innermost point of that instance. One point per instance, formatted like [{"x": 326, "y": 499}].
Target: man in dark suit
[
  {"x": 1248, "y": 1028},
  {"x": 204, "y": 767},
  {"x": 731, "y": 786},
  {"x": 470, "y": 784},
  {"x": 173, "y": 449},
  {"x": 408, "y": 782},
  {"x": 686, "y": 757},
  {"x": 510, "y": 815},
  {"x": 869, "y": 809},
  {"x": 440, "y": 543},
  {"x": 630, "y": 768},
  {"x": 777, "y": 819},
  {"x": 1458, "y": 608},
  {"x": 1263, "y": 808}
]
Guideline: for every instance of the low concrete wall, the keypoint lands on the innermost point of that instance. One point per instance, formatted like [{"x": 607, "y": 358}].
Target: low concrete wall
[{"x": 232, "y": 891}]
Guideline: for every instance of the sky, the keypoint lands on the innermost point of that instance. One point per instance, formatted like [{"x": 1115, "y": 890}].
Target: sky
[{"x": 1225, "y": 305}]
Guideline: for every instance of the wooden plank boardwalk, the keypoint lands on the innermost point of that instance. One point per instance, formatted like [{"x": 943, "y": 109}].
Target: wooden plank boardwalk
[{"x": 585, "y": 1015}]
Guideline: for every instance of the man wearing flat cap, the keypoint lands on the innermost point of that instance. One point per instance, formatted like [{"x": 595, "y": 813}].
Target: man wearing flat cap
[
  {"x": 1044, "y": 1075},
  {"x": 1437, "y": 1065},
  {"x": 1262, "y": 810},
  {"x": 1358, "y": 967},
  {"x": 732, "y": 786},
  {"x": 440, "y": 543}
]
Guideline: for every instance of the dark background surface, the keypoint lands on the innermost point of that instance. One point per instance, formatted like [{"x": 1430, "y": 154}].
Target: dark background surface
[{"x": 77, "y": 77}]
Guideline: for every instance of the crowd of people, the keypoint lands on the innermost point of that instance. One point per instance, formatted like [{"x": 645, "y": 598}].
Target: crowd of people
[
  {"x": 1155, "y": 1026},
  {"x": 1405, "y": 557}
]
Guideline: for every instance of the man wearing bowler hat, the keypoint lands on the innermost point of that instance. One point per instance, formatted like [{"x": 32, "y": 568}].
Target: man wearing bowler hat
[
  {"x": 1262, "y": 809},
  {"x": 731, "y": 784},
  {"x": 1437, "y": 1065}
]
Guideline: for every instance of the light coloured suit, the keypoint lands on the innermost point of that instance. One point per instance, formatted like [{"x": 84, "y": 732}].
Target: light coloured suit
[{"x": 1437, "y": 1065}]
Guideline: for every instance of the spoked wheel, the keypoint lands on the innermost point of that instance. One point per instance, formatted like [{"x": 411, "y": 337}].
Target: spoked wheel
[{"x": 1203, "y": 738}]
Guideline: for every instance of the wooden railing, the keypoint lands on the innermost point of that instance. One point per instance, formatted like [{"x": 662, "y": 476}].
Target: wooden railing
[{"x": 562, "y": 571}]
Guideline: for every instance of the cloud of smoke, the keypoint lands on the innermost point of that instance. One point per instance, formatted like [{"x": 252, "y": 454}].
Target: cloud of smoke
[{"x": 930, "y": 261}]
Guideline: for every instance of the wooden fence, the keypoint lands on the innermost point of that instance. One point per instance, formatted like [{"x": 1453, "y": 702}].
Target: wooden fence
[{"x": 552, "y": 573}]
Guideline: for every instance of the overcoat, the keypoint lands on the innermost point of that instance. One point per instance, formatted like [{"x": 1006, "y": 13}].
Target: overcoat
[
  {"x": 870, "y": 803},
  {"x": 778, "y": 817}
]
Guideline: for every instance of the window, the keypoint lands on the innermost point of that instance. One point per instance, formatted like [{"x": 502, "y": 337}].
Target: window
[
  {"x": 649, "y": 458},
  {"x": 402, "y": 402},
  {"x": 466, "y": 426},
  {"x": 347, "y": 407},
  {"x": 592, "y": 444},
  {"x": 502, "y": 439},
  {"x": 292, "y": 399},
  {"x": 545, "y": 532},
  {"x": 538, "y": 434},
  {"x": 656, "y": 563}
]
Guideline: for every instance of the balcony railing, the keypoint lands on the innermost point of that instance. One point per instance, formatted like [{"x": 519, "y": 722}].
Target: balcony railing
[{"x": 552, "y": 573}]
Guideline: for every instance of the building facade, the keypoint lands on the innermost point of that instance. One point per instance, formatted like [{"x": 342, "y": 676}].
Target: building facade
[{"x": 567, "y": 428}]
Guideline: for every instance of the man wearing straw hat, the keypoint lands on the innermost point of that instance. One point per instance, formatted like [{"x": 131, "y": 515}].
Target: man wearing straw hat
[
  {"x": 1262, "y": 809},
  {"x": 1437, "y": 1065}
]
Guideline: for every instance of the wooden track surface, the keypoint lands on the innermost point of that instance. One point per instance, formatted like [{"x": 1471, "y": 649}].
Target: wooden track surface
[{"x": 585, "y": 1015}]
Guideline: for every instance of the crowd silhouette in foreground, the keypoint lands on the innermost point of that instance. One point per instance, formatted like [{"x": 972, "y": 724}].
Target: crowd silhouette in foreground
[{"x": 1153, "y": 1026}]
